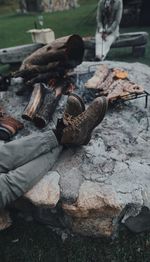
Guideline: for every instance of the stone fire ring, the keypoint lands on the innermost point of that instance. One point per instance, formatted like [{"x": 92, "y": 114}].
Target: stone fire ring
[{"x": 95, "y": 188}]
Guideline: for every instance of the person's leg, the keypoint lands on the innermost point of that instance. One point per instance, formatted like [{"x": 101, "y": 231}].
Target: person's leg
[
  {"x": 103, "y": 46},
  {"x": 18, "y": 152},
  {"x": 99, "y": 45},
  {"x": 16, "y": 182},
  {"x": 109, "y": 41},
  {"x": 33, "y": 155},
  {"x": 78, "y": 132},
  {"x": 107, "y": 44}
]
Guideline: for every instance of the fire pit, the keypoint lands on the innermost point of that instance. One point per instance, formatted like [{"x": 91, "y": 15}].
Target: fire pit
[{"x": 94, "y": 189}]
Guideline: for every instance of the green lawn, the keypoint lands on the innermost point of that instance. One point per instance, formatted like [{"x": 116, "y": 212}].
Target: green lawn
[
  {"x": 31, "y": 242},
  {"x": 14, "y": 27}
]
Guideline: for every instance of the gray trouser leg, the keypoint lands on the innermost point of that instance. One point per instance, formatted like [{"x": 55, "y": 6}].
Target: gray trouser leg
[
  {"x": 21, "y": 151},
  {"x": 27, "y": 160}
]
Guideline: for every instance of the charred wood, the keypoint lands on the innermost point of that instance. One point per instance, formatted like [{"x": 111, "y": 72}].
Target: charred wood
[
  {"x": 34, "y": 103},
  {"x": 66, "y": 52},
  {"x": 5, "y": 81},
  {"x": 50, "y": 102},
  {"x": 70, "y": 46},
  {"x": 107, "y": 83},
  {"x": 46, "y": 77}
]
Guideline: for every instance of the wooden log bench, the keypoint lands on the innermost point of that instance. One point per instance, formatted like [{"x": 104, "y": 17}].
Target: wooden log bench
[
  {"x": 137, "y": 41},
  {"x": 17, "y": 54}
]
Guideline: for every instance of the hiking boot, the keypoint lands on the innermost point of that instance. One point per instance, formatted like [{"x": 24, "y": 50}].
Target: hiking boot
[
  {"x": 79, "y": 130},
  {"x": 74, "y": 107},
  {"x": 9, "y": 127}
]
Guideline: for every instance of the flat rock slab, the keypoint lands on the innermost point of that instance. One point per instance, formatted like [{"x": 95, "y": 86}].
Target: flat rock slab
[
  {"x": 111, "y": 175},
  {"x": 107, "y": 182}
]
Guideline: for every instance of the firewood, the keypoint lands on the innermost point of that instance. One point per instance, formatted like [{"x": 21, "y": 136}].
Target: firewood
[
  {"x": 98, "y": 77},
  {"x": 116, "y": 90},
  {"x": 107, "y": 83},
  {"x": 34, "y": 103},
  {"x": 33, "y": 70},
  {"x": 45, "y": 77},
  {"x": 66, "y": 51},
  {"x": 132, "y": 88},
  {"x": 49, "y": 104}
]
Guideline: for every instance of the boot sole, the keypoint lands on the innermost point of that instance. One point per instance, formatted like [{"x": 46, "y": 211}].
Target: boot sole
[{"x": 80, "y": 100}]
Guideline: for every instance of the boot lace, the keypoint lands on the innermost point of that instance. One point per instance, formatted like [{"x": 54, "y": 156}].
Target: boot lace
[{"x": 74, "y": 122}]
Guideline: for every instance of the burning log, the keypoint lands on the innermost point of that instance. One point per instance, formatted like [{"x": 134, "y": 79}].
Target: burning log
[
  {"x": 34, "y": 71},
  {"x": 50, "y": 102},
  {"x": 44, "y": 100},
  {"x": 66, "y": 52},
  {"x": 45, "y": 77},
  {"x": 99, "y": 76},
  {"x": 49, "y": 65},
  {"x": 34, "y": 103},
  {"x": 68, "y": 47},
  {"x": 104, "y": 89}
]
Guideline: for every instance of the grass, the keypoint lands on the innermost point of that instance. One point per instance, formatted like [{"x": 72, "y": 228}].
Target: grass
[
  {"x": 13, "y": 27},
  {"x": 10, "y": 7},
  {"x": 31, "y": 242}
]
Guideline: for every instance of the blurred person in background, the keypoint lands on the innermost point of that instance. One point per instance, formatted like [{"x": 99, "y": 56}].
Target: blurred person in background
[{"x": 109, "y": 14}]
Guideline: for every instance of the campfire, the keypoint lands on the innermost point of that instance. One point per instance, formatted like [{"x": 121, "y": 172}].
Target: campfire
[
  {"x": 110, "y": 167},
  {"x": 45, "y": 75},
  {"x": 49, "y": 73}
]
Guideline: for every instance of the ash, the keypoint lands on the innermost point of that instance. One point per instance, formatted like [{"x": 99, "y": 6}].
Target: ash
[{"x": 87, "y": 94}]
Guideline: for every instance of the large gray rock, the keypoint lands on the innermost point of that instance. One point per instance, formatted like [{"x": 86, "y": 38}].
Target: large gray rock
[
  {"x": 107, "y": 182},
  {"x": 46, "y": 191},
  {"x": 114, "y": 168}
]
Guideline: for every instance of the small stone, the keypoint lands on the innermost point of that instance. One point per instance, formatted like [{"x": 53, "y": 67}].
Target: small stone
[
  {"x": 15, "y": 240},
  {"x": 64, "y": 236}
]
